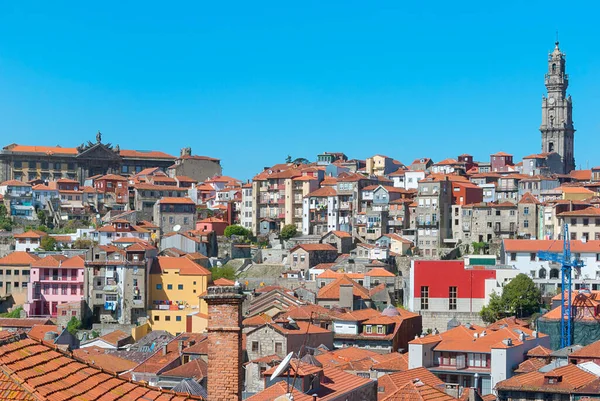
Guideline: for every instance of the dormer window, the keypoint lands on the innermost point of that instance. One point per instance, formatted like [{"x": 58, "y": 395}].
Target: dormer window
[
  {"x": 379, "y": 329},
  {"x": 369, "y": 329}
]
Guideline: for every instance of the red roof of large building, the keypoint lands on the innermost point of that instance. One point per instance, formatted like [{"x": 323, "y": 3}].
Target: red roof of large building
[
  {"x": 186, "y": 266},
  {"x": 18, "y": 258}
]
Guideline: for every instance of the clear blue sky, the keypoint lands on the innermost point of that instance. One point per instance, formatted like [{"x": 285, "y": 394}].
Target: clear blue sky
[{"x": 251, "y": 82}]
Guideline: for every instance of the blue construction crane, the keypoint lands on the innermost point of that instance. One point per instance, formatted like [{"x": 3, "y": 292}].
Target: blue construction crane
[{"x": 567, "y": 264}]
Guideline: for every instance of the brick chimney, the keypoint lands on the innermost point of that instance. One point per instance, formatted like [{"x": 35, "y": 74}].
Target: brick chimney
[{"x": 224, "y": 343}]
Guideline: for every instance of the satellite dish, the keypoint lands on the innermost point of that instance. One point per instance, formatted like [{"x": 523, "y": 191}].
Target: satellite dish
[
  {"x": 283, "y": 365},
  {"x": 176, "y": 228},
  {"x": 98, "y": 216}
]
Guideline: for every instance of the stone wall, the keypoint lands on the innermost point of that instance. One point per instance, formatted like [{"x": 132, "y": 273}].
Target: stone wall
[
  {"x": 7, "y": 244},
  {"x": 439, "y": 320}
]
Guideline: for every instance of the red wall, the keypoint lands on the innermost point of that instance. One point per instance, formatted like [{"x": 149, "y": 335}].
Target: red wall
[
  {"x": 469, "y": 192},
  {"x": 441, "y": 274}
]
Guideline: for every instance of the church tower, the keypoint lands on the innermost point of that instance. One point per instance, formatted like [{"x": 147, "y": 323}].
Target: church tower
[{"x": 557, "y": 108}]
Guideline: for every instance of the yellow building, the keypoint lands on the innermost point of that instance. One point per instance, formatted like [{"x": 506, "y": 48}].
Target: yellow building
[{"x": 175, "y": 286}]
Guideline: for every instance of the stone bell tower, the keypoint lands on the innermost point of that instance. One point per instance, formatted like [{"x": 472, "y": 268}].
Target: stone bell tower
[{"x": 557, "y": 112}]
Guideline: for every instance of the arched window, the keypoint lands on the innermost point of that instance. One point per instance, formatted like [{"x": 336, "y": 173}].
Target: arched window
[
  {"x": 542, "y": 273},
  {"x": 554, "y": 67},
  {"x": 551, "y": 147},
  {"x": 553, "y": 273}
]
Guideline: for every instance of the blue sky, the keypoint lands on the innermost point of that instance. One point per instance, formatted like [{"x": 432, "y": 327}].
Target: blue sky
[{"x": 253, "y": 82}]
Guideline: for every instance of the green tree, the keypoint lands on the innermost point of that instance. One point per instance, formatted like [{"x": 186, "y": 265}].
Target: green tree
[
  {"x": 73, "y": 325},
  {"x": 494, "y": 310},
  {"x": 288, "y": 159},
  {"x": 82, "y": 243},
  {"x": 15, "y": 313},
  {"x": 41, "y": 217},
  {"x": 225, "y": 271},
  {"x": 236, "y": 230},
  {"x": 288, "y": 232},
  {"x": 301, "y": 160},
  {"x": 48, "y": 243},
  {"x": 520, "y": 297},
  {"x": 5, "y": 220}
]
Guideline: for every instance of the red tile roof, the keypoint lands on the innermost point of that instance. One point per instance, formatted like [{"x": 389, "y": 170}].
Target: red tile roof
[
  {"x": 571, "y": 377},
  {"x": 98, "y": 357},
  {"x": 179, "y": 201},
  {"x": 49, "y": 261},
  {"x": 527, "y": 245},
  {"x": 195, "y": 369},
  {"x": 38, "y": 331},
  {"x": 41, "y": 149},
  {"x": 49, "y": 374},
  {"x": 315, "y": 247},
  {"x": 340, "y": 234},
  {"x": 539, "y": 352},
  {"x": 111, "y": 177},
  {"x": 185, "y": 266},
  {"x": 142, "y": 154},
  {"x": 332, "y": 290},
  {"x": 336, "y": 384},
  {"x": 590, "y": 211},
  {"x": 528, "y": 198},
  {"x": 18, "y": 258},
  {"x": 31, "y": 234},
  {"x": 394, "y": 382},
  {"x": 379, "y": 272},
  {"x": 114, "y": 337},
  {"x": 223, "y": 282}
]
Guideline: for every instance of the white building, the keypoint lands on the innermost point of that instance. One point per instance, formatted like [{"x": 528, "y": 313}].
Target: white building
[
  {"x": 246, "y": 207},
  {"x": 523, "y": 255}
]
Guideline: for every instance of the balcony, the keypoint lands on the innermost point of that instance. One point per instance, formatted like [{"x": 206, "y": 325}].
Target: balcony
[
  {"x": 281, "y": 201},
  {"x": 345, "y": 206},
  {"x": 498, "y": 229},
  {"x": 62, "y": 279},
  {"x": 281, "y": 216}
]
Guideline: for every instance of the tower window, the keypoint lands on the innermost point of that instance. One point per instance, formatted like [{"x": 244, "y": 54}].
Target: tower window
[
  {"x": 554, "y": 67},
  {"x": 550, "y": 146}
]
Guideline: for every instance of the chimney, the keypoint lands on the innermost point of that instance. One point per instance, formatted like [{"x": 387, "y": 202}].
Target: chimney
[
  {"x": 164, "y": 349},
  {"x": 224, "y": 343},
  {"x": 180, "y": 346},
  {"x": 347, "y": 296}
]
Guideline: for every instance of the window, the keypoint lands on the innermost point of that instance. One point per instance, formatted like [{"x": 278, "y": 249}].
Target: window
[
  {"x": 573, "y": 236},
  {"x": 169, "y": 286},
  {"x": 124, "y": 169},
  {"x": 424, "y": 297},
  {"x": 369, "y": 329},
  {"x": 525, "y": 223},
  {"x": 452, "y": 295},
  {"x": 178, "y": 318},
  {"x": 180, "y": 286},
  {"x": 278, "y": 348},
  {"x": 159, "y": 286},
  {"x": 168, "y": 318},
  {"x": 64, "y": 313},
  {"x": 573, "y": 222},
  {"x": 526, "y": 210},
  {"x": 156, "y": 318},
  {"x": 379, "y": 329},
  {"x": 254, "y": 346},
  {"x": 532, "y": 256},
  {"x": 513, "y": 256}
]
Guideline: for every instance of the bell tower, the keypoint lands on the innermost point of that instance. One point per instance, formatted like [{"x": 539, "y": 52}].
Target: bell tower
[{"x": 557, "y": 108}]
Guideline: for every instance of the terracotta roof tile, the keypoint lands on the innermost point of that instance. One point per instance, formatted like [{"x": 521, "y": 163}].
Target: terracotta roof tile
[
  {"x": 179, "y": 201},
  {"x": 527, "y": 245},
  {"x": 18, "y": 258},
  {"x": 185, "y": 266},
  {"x": 314, "y": 247},
  {"x": 572, "y": 378},
  {"x": 99, "y": 357},
  {"x": 394, "y": 382},
  {"x": 51, "y": 374},
  {"x": 332, "y": 290},
  {"x": 379, "y": 272},
  {"x": 142, "y": 154}
]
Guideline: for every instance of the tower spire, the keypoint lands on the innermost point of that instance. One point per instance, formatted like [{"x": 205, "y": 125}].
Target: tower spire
[{"x": 556, "y": 43}]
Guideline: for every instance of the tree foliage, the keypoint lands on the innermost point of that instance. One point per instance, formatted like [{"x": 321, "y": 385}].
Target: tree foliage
[
  {"x": 478, "y": 247},
  {"x": 48, "y": 243},
  {"x": 288, "y": 232},
  {"x": 15, "y": 313},
  {"x": 236, "y": 230},
  {"x": 225, "y": 271},
  {"x": 301, "y": 160},
  {"x": 5, "y": 220},
  {"x": 82, "y": 243},
  {"x": 519, "y": 297},
  {"x": 73, "y": 325}
]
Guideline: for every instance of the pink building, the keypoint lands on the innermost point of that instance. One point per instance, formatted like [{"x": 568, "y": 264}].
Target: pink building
[{"x": 54, "y": 280}]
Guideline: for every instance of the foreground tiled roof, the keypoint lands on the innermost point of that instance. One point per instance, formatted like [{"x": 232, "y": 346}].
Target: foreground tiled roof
[
  {"x": 40, "y": 372},
  {"x": 23, "y": 323}
]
